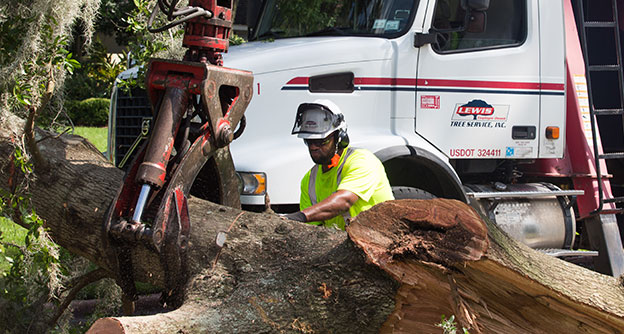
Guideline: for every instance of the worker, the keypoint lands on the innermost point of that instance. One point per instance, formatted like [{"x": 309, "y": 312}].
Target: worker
[{"x": 344, "y": 181}]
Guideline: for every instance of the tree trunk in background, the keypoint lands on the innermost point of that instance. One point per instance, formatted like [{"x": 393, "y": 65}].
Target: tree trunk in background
[{"x": 399, "y": 267}]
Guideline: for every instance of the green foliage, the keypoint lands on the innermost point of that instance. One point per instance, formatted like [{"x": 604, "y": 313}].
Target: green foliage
[
  {"x": 449, "y": 326},
  {"x": 54, "y": 56},
  {"x": 88, "y": 112},
  {"x": 96, "y": 77},
  {"x": 34, "y": 61},
  {"x": 34, "y": 77},
  {"x": 143, "y": 45},
  {"x": 10, "y": 233},
  {"x": 236, "y": 40},
  {"x": 11, "y": 35},
  {"x": 34, "y": 51},
  {"x": 111, "y": 19},
  {"x": 35, "y": 267},
  {"x": 302, "y": 16}
]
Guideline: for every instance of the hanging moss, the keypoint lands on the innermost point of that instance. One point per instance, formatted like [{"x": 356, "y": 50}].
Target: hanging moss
[
  {"x": 34, "y": 38},
  {"x": 27, "y": 31}
]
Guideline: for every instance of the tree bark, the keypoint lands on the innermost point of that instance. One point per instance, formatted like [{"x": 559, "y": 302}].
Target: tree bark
[{"x": 397, "y": 269}]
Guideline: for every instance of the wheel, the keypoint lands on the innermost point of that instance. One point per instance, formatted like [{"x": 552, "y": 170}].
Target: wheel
[{"x": 401, "y": 192}]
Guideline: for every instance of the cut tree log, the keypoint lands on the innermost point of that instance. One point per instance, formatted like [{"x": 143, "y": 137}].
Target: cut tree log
[{"x": 397, "y": 269}]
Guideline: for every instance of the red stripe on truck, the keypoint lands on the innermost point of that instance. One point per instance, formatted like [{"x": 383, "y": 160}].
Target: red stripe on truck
[
  {"x": 298, "y": 81},
  {"x": 443, "y": 83}
]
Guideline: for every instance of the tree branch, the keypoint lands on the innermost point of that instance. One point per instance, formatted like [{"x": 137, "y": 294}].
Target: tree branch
[
  {"x": 78, "y": 284},
  {"x": 40, "y": 163}
]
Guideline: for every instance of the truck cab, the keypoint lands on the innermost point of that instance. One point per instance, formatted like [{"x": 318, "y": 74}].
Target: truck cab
[
  {"x": 434, "y": 94},
  {"x": 480, "y": 101}
]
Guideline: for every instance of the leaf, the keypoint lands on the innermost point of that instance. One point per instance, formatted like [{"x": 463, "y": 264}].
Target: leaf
[
  {"x": 23, "y": 100},
  {"x": 74, "y": 63}
]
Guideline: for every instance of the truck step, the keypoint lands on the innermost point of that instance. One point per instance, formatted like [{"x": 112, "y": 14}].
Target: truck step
[
  {"x": 524, "y": 194},
  {"x": 618, "y": 111},
  {"x": 614, "y": 200},
  {"x": 567, "y": 252},
  {"x": 617, "y": 155},
  {"x": 603, "y": 68},
  {"x": 616, "y": 211},
  {"x": 600, "y": 24}
]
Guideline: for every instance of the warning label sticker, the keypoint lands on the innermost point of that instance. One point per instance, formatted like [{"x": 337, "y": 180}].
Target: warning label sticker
[
  {"x": 583, "y": 100},
  {"x": 430, "y": 102}
]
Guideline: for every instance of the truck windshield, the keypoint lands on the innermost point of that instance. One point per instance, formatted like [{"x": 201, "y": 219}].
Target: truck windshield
[{"x": 297, "y": 18}]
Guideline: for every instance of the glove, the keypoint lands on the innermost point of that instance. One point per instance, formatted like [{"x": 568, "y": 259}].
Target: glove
[{"x": 296, "y": 216}]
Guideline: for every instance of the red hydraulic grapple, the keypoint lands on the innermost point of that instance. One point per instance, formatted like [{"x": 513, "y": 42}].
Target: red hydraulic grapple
[{"x": 197, "y": 104}]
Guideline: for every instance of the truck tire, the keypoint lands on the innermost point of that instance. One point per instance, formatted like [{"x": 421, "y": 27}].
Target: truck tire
[{"x": 401, "y": 192}]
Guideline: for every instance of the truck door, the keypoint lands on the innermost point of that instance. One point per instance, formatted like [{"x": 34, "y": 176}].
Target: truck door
[{"x": 478, "y": 94}]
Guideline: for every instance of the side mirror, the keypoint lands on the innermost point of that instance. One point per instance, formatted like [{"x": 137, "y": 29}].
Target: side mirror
[
  {"x": 476, "y": 5},
  {"x": 476, "y": 22}
]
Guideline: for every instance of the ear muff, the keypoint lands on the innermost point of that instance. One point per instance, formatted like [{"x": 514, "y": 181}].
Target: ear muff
[{"x": 343, "y": 139}]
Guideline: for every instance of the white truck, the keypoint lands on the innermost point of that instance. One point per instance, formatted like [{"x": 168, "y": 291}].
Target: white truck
[{"x": 481, "y": 101}]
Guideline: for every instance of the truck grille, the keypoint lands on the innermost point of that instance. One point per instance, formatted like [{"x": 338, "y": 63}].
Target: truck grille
[{"x": 133, "y": 108}]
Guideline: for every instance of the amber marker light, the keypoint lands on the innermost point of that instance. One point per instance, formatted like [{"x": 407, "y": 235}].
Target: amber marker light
[
  {"x": 552, "y": 132},
  {"x": 252, "y": 183}
]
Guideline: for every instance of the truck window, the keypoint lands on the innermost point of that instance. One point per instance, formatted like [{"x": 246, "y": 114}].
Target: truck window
[
  {"x": 505, "y": 26},
  {"x": 297, "y": 18}
]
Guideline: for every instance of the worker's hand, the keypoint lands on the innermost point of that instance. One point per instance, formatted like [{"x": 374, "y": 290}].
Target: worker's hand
[
  {"x": 296, "y": 216},
  {"x": 332, "y": 206}
]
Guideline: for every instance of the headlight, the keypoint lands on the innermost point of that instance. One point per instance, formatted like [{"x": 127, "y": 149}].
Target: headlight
[{"x": 252, "y": 183}]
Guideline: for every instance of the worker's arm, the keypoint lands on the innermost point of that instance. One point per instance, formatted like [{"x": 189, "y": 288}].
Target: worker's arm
[{"x": 332, "y": 206}]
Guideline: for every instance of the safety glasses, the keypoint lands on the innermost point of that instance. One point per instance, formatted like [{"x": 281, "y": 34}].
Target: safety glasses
[{"x": 317, "y": 142}]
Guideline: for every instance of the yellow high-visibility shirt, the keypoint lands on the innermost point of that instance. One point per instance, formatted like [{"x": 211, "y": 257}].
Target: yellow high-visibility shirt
[{"x": 362, "y": 174}]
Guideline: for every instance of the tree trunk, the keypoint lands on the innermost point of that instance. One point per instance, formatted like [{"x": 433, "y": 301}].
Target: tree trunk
[{"x": 399, "y": 267}]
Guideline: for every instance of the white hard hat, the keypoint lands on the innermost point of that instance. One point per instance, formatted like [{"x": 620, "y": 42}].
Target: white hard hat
[{"x": 318, "y": 119}]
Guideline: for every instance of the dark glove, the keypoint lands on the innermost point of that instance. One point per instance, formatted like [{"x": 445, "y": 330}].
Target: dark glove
[{"x": 296, "y": 216}]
